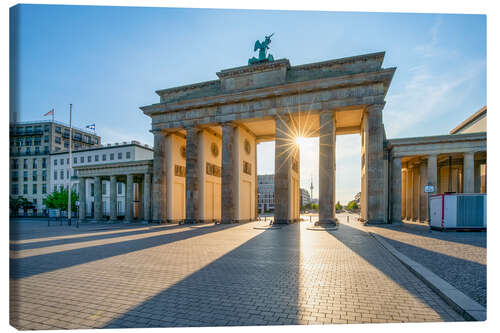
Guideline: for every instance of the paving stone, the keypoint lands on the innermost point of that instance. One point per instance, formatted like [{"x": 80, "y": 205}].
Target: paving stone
[{"x": 223, "y": 275}]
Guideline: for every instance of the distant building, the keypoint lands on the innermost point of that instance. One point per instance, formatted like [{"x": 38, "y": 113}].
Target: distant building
[
  {"x": 474, "y": 124},
  {"x": 305, "y": 197},
  {"x": 31, "y": 142},
  {"x": 265, "y": 188},
  {"x": 110, "y": 153}
]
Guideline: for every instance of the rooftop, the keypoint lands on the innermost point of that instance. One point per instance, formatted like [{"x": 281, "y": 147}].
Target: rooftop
[{"x": 35, "y": 122}]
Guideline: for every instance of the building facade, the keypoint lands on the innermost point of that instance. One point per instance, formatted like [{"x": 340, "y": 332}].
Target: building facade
[
  {"x": 305, "y": 197},
  {"x": 109, "y": 154},
  {"x": 31, "y": 143},
  {"x": 265, "y": 193},
  {"x": 454, "y": 163}
]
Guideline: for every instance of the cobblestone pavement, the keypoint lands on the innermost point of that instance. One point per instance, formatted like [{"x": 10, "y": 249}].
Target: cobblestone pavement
[
  {"x": 210, "y": 275},
  {"x": 457, "y": 257}
]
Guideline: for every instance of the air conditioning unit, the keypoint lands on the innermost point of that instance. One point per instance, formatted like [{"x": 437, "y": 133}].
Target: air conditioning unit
[{"x": 458, "y": 211}]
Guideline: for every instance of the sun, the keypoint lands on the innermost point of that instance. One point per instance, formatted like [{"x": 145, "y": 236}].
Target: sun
[{"x": 300, "y": 140}]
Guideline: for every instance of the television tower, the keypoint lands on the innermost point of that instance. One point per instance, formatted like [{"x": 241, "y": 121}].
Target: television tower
[{"x": 312, "y": 188}]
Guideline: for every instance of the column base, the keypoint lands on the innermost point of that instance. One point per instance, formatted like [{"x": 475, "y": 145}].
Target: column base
[
  {"x": 373, "y": 222},
  {"x": 326, "y": 222}
]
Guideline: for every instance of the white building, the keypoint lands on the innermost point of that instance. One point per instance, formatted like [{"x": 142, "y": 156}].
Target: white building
[
  {"x": 102, "y": 154},
  {"x": 305, "y": 197},
  {"x": 265, "y": 193}
]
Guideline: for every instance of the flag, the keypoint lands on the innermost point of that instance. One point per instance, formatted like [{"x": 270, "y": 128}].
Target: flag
[
  {"x": 51, "y": 112},
  {"x": 91, "y": 126}
]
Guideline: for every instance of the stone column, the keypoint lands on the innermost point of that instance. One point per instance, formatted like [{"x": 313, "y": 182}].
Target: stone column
[
  {"x": 432, "y": 171},
  {"x": 282, "y": 165},
  {"x": 326, "y": 167},
  {"x": 140, "y": 201},
  {"x": 192, "y": 194},
  {"x": 147, "y": 197},
  {"x": 468, "y": 186},
  {"x": 98, "y": 198},
  {"x": 423, "y": 196},
  {"x": 228, "y": 170},
  {"x": 82, "y": 198},
  {"x": 112, "y": 198},
  {"x": 159, "y": 197},
  {"x": 404, "y": 180},
  {"x": 409, "y": 193},
  {"x": 415, "y": 194},
  {"x": 129, "y": 198},
  {"x": 375, "y": 164},
  {"x": 396, "y": 189}
]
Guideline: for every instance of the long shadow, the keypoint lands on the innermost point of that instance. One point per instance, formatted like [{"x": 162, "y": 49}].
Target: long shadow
[
  {"x": 475, "y": 238},
  {"x": 465, "y": 275},
  {"x": 25, "y": 267},
  {"x": 62, "y": 241},
  {"x": 255, "y": 284},
  {"x": 364, "y": 245}
]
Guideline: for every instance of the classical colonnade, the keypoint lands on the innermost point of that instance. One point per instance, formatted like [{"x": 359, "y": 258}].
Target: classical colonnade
[
  {"x": 451, "y": 163},
  {"x": 137, "y": 177}
]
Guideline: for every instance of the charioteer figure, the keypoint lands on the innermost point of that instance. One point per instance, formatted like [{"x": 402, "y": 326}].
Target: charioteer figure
[{"x": 262, "y": 47}]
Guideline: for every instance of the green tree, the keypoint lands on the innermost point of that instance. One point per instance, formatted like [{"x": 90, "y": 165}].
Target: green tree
[
  {"x": 338, "y": 206},
  {"x": 352, "y": 205},
  {"x": 19, "y": 202},
  {"x": 59, "y": 200}
]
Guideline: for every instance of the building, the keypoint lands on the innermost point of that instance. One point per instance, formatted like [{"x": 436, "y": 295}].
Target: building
[
  {"x": 454, "y": 163},
  {"x": 305, "y": 197},
  {"x": 31, "y": 143},
  {"x": 109, "y": 154},
  {"x": 265, "y": 193}
]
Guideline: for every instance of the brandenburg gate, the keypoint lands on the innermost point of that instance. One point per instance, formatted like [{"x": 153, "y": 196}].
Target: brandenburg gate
[{"x": 205, "y": 137}]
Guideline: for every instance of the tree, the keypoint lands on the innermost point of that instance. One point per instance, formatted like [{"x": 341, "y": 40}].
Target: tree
[
  {"x": 19, "y": 202},
  {"x": 59, "y": 200},
  {"x": 338, "y": 206},
  {"x": 352, "y": 205}
]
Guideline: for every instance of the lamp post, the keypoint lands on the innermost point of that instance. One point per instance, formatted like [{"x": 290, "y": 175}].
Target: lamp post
[{"x": 70, "y": 161}]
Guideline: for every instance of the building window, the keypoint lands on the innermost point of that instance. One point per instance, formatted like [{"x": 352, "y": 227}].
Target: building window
[
  {"x": 35, "y": 163},
  {"x": 35, "y": 177},
  {"x": 104, "y": 157},
  {"x": 44, "y": 175},
  {"x": 61, "y": 161},
  {"x": 25, "y": 176},
  {"x": 67, "y": 161},
  {"x": 104, "y": 188},
  {"x": 14, "y": 176},
  {"x": 61, "y": 187},
  {"x": 46, "y": 128},
  {"x": 25, "y": 163},
  {"x": 55, "y": 175},
  {"x": 89, "y": 158},
  {"x": 119, "y": 188},
  {"x": 58, "y": 129},
  {"x": 46, "y": 138},
  {"x": 111, "y": 156},
  {"x": 14, "y": 189},
  {"x": 44, "y": 163},
  {"x": 55, "y": 161},
  {"x": 34, "y": 188},
  {"x": 75, "y": 160},
  {"x": 14, "y": 164},
  {"x": 61, "y": 174},
  {"x": 119, "y": 156},
  {"x": 96, "y": 158},
  {"x": 55, "y": 188},
  {"x": 67, "y": 174},
  {"x": 127, "y": 155},
  {"x": 44, "y": 188},
  {"x": 25, "y": 188},
  {"x": 91, "y": 190},
  {"x": 82, "y": 159},
  {"x": 58, "y": 139}
]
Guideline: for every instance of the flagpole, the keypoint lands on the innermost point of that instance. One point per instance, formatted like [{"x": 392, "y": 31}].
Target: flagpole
[{"x": 70, "y": 163}]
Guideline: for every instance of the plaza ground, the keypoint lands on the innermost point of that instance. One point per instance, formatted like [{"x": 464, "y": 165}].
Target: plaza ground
[{"x": 210, "y": 275}]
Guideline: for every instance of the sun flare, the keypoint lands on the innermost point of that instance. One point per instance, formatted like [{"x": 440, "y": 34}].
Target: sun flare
[{"x": 300, "y": 140}]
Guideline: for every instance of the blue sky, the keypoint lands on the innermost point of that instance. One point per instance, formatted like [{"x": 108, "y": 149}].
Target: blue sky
[{"x": 108, "y": 61}]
